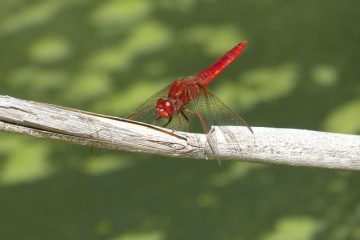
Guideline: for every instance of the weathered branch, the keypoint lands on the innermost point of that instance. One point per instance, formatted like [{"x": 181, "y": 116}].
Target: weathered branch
[{"x": 267, "y": 145}]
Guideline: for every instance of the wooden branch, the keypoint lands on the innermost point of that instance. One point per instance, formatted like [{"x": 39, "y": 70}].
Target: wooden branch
[{"x": 267, "y": 145}]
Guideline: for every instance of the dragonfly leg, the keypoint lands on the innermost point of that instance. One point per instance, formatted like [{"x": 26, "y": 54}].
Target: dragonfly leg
[
  {"x": 201, "y": 119},
  {"x": 180, "y": 121},
  {"x": 169, "y": 121},
  {"x": 154, "y": 122},
  {"x": 187, "y": 122}
]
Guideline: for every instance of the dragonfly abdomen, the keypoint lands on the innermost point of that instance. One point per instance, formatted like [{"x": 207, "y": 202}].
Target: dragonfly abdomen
[{"x": 216, "y": 67}]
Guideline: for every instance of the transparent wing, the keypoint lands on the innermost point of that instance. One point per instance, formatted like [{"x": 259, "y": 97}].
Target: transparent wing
[
  {"x": 224, "y": 116},
  {"x": 214, "y": 112},
  {"x": 146, "y": 111}
]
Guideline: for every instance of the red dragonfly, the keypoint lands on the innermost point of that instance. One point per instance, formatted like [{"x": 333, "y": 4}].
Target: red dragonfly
[{"x": 188, "y": 97}]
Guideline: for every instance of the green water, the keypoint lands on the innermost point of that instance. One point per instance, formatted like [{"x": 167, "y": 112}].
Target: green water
[{"x": 299, "y": 70}]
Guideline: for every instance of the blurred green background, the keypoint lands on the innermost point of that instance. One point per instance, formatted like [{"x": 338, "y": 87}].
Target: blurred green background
[{"x": 300, "y": 70}]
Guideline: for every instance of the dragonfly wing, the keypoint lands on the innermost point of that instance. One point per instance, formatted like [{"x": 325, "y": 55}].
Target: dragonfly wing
[
  {"x": 220, "y": 114},
  {"x": 211, "y": 111},
  {"x": 215, "y": 113},
  {"x": 146, "y": 111}
]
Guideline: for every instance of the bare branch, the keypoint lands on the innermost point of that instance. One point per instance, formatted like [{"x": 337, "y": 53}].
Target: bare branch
[{"x": 267, "y": 145}]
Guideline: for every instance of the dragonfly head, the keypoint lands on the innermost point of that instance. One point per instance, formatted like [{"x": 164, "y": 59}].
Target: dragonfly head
[{"x": 164, "y": 108}]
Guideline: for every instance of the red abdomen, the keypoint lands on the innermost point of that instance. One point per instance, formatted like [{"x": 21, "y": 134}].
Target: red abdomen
[{"x": 216, "y": 67}]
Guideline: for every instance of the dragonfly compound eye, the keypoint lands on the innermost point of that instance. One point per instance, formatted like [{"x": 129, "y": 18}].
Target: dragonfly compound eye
[{"x": 164, "y": 108}]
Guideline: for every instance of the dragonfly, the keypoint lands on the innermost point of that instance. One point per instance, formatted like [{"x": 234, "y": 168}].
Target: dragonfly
[{"x": 189, "y": 98}]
